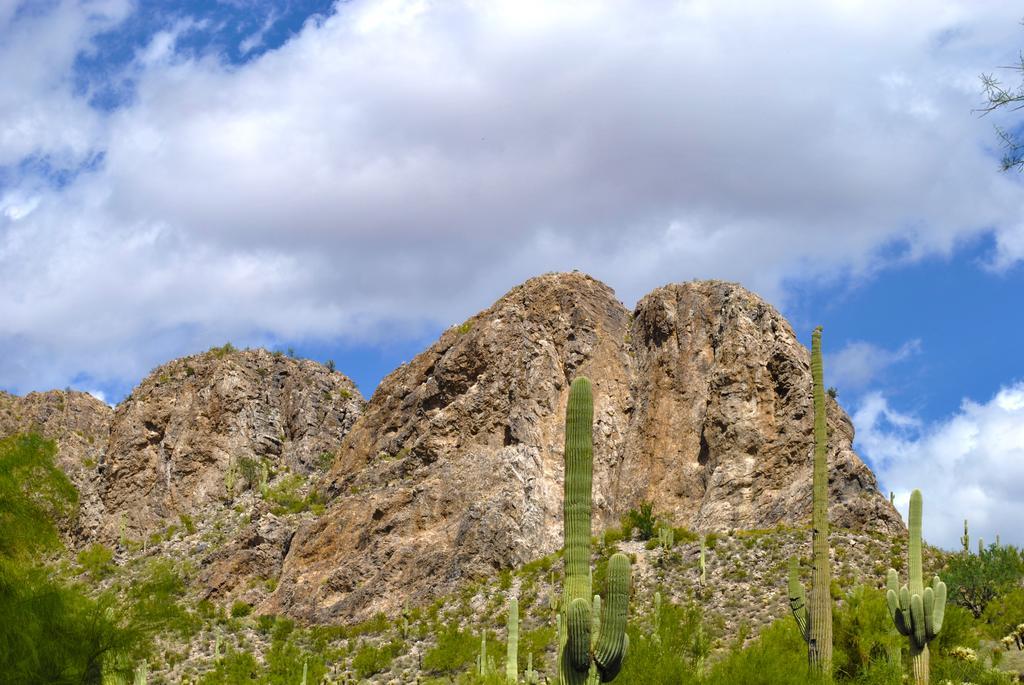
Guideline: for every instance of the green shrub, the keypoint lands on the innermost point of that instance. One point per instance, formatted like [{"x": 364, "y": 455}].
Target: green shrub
[
  {"x": 455, "y": 650},
  {"x": 287, "y": 498},
  {"x": 234, "y": 668},
  {"x": 187, "y": 523},
  {"x": 864, "y": 636},
  {"x": 33, "y": 494},
  {"x": 642, "y": 520},
  {"x": 974, "y": 580},
  {"x": 50, "y": 632},
  {"x": 240, "y": 609},
  {"x": 370, "y": 659},
  {"x": 158, "y": 600},
  {"x": 96, "y": 561},
  {"x": 224, "y": 350},
  {"x": 1003, "y": 614},
  {"x": 670, "y": 656},
  {"x": 777, "y": 657}
]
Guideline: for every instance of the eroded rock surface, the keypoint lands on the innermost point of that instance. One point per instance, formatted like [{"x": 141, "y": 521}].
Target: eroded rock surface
[
  {"x": 176, "y": 437},
  {"x": 702, "y": 405}
]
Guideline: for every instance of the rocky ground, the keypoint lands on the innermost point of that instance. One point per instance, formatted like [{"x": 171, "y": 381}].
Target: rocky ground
[{"x": 745, "y": 591}]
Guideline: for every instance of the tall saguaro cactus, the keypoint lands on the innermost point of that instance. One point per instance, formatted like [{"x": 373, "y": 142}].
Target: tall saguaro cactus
[
  {"x": 512, "y": 657},
  {"x": 916, "y": 610},
  {"x": 586, "y": 658},
  {"x": 815, "y": 621},
  {"x": 965, "y": 540}
]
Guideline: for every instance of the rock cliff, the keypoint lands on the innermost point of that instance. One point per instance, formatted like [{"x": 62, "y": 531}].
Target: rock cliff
[
  {"x": 454, "y": 469},
  {"x": 174, "y": 440}
]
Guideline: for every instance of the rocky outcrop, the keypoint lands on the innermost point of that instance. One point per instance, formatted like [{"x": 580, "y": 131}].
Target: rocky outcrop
[
  {"x": 80, "y": 425},
  {"x": 702, "y": 405},
  {"x": 722, "y": 433},
  {"x": 192, "y": 421}
]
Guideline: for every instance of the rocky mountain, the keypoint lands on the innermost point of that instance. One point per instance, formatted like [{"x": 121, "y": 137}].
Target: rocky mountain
[
  {"x": 454, "y": 469},
  {"x": 190, "y": 434}
]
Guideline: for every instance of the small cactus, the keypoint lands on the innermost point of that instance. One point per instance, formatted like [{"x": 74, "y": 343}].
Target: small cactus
[
  {"x": 532, "y": 677},
  {"x": 702, "y": 564},
  {"x": 141, "y": 673},
  {"x": 666, "y": 537},
  {"x": 231, "y": 479},
  {"x": 482, "y": 663},
  {"x": 512, "y": 657},
  {"x": 656, "y": 633},
  {"x": 264, "y": 478}
]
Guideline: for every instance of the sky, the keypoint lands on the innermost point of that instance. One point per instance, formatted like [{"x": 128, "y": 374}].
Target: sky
[{"x": 349, "y": 179}]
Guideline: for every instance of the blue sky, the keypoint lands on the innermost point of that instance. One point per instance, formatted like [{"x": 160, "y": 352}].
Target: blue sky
[{"x": 348, "y": 180}]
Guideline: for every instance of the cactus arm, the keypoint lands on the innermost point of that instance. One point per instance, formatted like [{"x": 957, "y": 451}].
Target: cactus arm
[
  {"x": 578, "y": 633},
  {"x": 797, "y": 599},
  {"x": 611, "y": 647},
  {"x": 917, "y": 619},
  {"x": 939, "y": 609}
]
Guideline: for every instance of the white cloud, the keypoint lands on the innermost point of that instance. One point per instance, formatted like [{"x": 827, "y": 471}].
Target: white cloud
[
  {"x": 970, "y": 465},
  {"x": 407, "y": 161},
  {"x": 100, "y": 395},
  {"x": 859, "y": 363}
]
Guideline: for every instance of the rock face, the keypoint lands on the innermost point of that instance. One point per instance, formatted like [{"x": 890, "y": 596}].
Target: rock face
[
  {"x": 80, "y": 425},
  {"x": 702, "y": 406},
  {"x": 176, "y": 437}
]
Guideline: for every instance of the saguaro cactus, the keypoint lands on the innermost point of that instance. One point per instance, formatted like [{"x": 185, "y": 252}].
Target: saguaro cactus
[
  {"x": 532, "y": 677},
  {"x": 512, "y": 657},
  {"x": 815, "y": 622},
  {"x": 481, "y": 658},
  {"x": 666, "y": 537},
  {"x": 703, "y": 565},
  {"x": 916, "y": 610},
  {"x": 965, "y": 540},
  {"x": 586, "y": 658}
]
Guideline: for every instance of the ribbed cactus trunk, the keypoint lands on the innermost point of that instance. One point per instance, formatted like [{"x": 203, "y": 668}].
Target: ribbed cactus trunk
[
  {"x": 815, "y": 620},
  {"x": 512, "y": 657},
  {"x": 579, "y": 470},
  {"x": 918, "y": 648},
  {"x": 595, "y": 641},
  {"x": 820, "y": 642}
]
